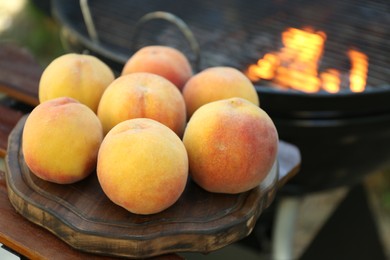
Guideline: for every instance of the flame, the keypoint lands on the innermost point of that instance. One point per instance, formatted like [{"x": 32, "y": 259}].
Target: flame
[
  {"x": 296, "y": 64},
  {"x": 359, "y": 69},
  {"x": 331, "y": 80}
]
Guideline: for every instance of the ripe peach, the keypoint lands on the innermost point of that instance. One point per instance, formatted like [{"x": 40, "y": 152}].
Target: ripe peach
[
  {"x": 165, "y": 61},
  {"x": 142, "y": 95},
  {"x": 217, "y": 83},
  {"x": 61, "y": 139},
  {"x": 232, "y": 145},
  {"x": 142, "y": 166},
  {"x": 82, "y": 77}
]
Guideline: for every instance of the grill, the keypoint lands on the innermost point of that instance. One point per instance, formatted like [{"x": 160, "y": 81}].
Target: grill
[{"x": 342, "y": 136}]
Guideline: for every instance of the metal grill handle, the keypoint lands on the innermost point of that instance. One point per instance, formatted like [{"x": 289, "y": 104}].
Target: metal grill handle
[
  {"x": 179, "y": 23},
  {"x": 89, "y": 21}
]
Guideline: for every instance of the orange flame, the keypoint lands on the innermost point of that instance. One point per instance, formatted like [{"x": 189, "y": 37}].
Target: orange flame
[
  {"x": 331, "y": 80},
  {"x": 359, "y": 69},
  {"x": 296, "y": 64}
]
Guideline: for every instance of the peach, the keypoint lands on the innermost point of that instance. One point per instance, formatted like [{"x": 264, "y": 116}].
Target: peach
[
  {"x": 142, "y": 166},
  {"x": 231, "y": 144},
  {"x": 217, "y": 83},
  {"x": 165, "y": 61},
  {"x": 142, "y": 95},
  {"x": 82, "y": 77},
  {"x": 61, "y": 139}
]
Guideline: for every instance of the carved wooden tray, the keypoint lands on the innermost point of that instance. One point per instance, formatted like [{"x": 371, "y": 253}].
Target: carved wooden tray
[{"x": 81, "y": 215}]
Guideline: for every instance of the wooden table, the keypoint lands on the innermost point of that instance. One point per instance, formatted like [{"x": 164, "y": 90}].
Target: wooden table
[{"x": 16, "y": 231}]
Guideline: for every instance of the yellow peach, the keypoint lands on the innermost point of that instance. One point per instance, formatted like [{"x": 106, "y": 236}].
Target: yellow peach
[
  {"x": 232, "y": 145},
  {"x": 61, "y": 139},
  {"x": 217, "y": 83},
  {"x": 82, "y": 77},
  {"x": 165, "y": 61},
  {"x": 142, "y": 166},
  {"x": 142, "y": 95}
]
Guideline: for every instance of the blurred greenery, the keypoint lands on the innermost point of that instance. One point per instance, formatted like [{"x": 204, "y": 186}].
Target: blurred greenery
[
  {"x": 386, "y": 200},
  {"x": 379, "y": 185},
  {"x": 386, "y": 190},
  {"x": 35, "y": 30}
]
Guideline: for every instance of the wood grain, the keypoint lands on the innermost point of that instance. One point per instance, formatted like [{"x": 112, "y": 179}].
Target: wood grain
[
  {"x": 19, "y": 74},
  {"x": 30, "y": 240},
  {"x": 82, "y": 216},
  {"x": 35, "y": 242},
  {"x": 8, "y": 120}
]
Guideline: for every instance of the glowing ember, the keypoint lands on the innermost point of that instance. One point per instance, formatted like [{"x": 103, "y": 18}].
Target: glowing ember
[{"x": 296, "y": 64}]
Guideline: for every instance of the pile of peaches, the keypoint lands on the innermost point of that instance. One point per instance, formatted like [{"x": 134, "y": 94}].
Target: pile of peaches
[{"x": 148, "y": 130}]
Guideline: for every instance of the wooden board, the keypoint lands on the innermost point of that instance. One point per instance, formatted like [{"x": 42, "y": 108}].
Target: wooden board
[
  {"x": 35, "y": 242},
  {"x": 82, "y": 216}
]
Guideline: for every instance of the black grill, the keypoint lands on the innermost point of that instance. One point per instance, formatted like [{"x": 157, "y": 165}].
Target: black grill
[
  {"x": 237, "y": 33},
  {"x": 342, "y": 136}
]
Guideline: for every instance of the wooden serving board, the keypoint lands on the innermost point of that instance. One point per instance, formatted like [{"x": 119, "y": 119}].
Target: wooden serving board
[{"x": 81, "y": 215}]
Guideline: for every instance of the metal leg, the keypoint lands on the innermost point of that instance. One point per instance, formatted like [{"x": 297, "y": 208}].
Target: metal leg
[{"x": 284, "y": 227}]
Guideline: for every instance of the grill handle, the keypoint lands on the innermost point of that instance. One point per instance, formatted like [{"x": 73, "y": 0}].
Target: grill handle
[
  {"x": 91, "y": 29},
  {"x": 179, "y": 23}
]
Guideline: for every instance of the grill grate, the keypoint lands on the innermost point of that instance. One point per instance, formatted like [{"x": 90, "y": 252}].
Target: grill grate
[{"x": 237, "y": 33}]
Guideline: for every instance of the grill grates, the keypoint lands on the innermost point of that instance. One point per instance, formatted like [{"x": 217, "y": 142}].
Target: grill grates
[{"x": 237, "y": 33}]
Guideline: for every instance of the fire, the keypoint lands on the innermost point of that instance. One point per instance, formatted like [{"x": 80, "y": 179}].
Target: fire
[
  {"x": 295, "y": 65},
  {"x": 359, "y": 69},
  {"x": 331, "y": 80}
]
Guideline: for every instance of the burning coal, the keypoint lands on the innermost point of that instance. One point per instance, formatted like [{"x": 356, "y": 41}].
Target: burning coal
[{"x": 296, "y": 64}]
